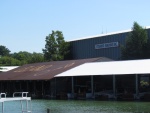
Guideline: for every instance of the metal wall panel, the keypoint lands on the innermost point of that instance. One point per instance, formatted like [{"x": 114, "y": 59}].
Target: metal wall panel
[{"x": 86, "y": 48}]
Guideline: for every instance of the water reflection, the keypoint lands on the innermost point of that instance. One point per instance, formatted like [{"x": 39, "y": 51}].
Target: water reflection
[{"x": 78, "y": 106}]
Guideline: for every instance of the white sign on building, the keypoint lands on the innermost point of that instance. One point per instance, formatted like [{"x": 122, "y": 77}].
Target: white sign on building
[{"x": 106, "y": 45}]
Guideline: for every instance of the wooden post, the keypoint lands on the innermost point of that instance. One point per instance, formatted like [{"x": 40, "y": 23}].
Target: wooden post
[
  {"x": 136, "y": 86},
  {"x": 48, "y": 110},
  {"x": 27, "y": 87},
  {"x": 55, "y": 86},
  {"x": 92, "y": 87},
  {"x": 34, "y": 86},
  {"x": 114, "y": 86},
  {"x": 72, "y": 85},
  {"x": 42, "y": 88}
]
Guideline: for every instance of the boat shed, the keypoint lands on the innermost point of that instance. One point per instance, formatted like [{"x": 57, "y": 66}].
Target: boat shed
[
  {"x": 99, "y": 78},
  {"x": 110, "y": 68},
  {"x": 136, "y": 73},
  {"x": 44, "y": 70},
  {"x": 38, "y": 78}
]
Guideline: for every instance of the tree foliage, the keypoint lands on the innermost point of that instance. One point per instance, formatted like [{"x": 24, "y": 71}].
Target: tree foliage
[
  {"x": 9, "y": 61},
  {"x": 56, "y": 48},
  {"x": 137, "y": 44},
  {"x": 26, "y": 57},
  {"x": 4, "y": 51},
  {"x": 36, "y": 57},
  {"x": 21, "y": 58}
]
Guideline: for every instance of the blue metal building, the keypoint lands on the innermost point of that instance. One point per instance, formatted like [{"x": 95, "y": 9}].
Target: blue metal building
[{"x": 104, "y": 45}]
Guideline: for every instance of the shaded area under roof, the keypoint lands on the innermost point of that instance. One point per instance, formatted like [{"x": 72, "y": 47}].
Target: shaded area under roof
[{"x": 45, "y": 70}]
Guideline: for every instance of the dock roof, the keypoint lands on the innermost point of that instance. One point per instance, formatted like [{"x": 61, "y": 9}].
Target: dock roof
[
  {"x": 44, "y": 70},
  {"x": 128, "y": 67}
]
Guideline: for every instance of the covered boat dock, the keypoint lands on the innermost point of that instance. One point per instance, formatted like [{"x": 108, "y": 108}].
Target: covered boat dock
[
  {"x": 95, "y": 78},
  {"x": 136, "y": 73},
  {"x": 38, "y": 78}
]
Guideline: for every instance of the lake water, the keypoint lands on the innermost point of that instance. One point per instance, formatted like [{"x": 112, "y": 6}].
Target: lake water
[{"x": 80, "y": 106}]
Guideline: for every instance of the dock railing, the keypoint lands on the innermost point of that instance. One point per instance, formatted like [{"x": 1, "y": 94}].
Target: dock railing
[
  {"x": 15, "y": 97},
  {"x": 2, "y": 94},
  {"x": 23, "y": 94}
]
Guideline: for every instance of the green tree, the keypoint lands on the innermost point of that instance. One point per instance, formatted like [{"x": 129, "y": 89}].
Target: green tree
[
  {"x": 9, "y": 61},
  {"x": 36, "y": 57},
  {"x": 26, "y": 57},
  {"x": 56, "y": 48},
  {"x": 137, "y": 44},
  {"x": 4, "y": 51},
  {"x": 23, "y": 56}
]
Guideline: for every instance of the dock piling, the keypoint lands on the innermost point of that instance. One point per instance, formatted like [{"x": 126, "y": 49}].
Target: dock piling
[{"x": 48, "y": 110}]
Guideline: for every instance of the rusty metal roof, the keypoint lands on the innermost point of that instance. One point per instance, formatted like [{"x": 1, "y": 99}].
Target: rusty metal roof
[{"x": 44, "y": 70}]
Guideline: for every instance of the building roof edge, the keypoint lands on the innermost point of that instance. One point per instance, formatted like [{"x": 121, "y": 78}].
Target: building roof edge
[{"x": 106, "y": 34}]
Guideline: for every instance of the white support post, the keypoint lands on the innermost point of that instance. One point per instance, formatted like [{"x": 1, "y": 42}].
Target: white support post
[
  {"x": 21, "y": 106},
  {"x": 27, "y": 105},
  {"x": 30, "y": 106},
  {"x": 2, "y": 107}
]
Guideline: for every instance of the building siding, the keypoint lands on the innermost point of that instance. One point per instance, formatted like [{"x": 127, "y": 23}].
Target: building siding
[{"x": 85, "y": 48}]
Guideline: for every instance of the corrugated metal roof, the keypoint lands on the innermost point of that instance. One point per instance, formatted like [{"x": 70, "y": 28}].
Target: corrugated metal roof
[
  {"x": 107, "y": 34},
  {"x": 45, "y": 70},
  {"x": 110, "y": 68}
]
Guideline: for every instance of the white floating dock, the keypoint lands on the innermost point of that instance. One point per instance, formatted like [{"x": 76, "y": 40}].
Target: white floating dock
[{"x": 22, "y": 98}]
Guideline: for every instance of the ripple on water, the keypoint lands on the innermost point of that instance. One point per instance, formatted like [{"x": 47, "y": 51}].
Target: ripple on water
[{"x": 79, "y": 106}]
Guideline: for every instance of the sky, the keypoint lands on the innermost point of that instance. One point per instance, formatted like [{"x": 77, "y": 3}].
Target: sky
[{"x": 24, "y": 24}]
